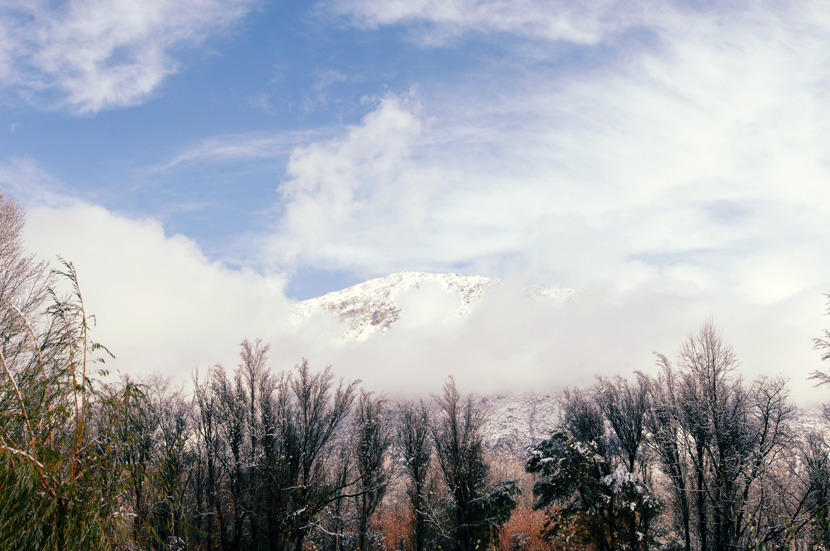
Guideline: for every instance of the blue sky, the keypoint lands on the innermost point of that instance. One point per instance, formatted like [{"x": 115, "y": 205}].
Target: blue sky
[
  {"x": 205, "y": 149},
  {"x": 668, "y": 159}
]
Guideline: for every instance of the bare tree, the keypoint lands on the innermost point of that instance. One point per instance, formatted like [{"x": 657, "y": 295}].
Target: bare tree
[
  {"x": 159, "y": 462},
  {"x": 823, "y": 344},
  {"x": 663, "y": 424},
  {"x": 264, "y": 476},
  {"x": 709, "y": 400},
  {"x": 583, "y": 418},
  {"x": 312, "y": 418},
  {"x": 625, "y": 407},
  {"x": 253, "y": 369},
  {"x": 479, "y": 506},
  {"x": 339, "y": 515},
  {"x": 24, "y": 280},
  {"x": 372, "y": 438},
  {"x": 223, "y": 440},
  {"x": 29, "y": 335},
  {"x": 209, "y": 478},
  {"x": 816, "y": 462},
  {"x": 731, "y": 437},
  {"x": 278, "y": 444},
  {"x": 173, "y": 419},
  {"x": 414, "y": 444},
  {"x": 816, "y": 452}
]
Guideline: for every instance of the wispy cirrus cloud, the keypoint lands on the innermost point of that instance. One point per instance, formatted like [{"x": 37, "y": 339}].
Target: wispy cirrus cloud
[
  {"x": 700, "y": 159},
  {"x": 30, "y": 183},
  {"x": 669, "y": 183},
  {"x": 439, "y": 22},
  {"x": 243, "y": 147},
  {"x": 89, "y": 55}
]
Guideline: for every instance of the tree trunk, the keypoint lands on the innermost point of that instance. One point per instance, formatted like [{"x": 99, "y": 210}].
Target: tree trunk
[{"x": 701, "y": 498}]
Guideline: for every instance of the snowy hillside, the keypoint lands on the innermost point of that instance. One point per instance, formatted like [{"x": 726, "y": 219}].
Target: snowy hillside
[
  {"x": 515, "y": 421},
  {"x": 372, "y": 306}
]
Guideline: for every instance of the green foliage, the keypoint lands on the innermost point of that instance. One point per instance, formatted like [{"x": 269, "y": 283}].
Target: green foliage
[
  {"x": 576, "y": 477},
  {"x": 60, "y": 470},
  {"x": 497, "y": 505},
  {"x": 567, "y": 468}
]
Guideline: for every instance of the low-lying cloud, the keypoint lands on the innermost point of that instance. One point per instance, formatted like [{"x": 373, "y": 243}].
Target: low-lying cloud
[{"x": 161, "y": 306}]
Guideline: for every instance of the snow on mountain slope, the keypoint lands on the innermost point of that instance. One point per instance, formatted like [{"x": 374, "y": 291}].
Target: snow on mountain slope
[
  {"x": 373, "y": 305},
  {"x": 515, "y": 421}
]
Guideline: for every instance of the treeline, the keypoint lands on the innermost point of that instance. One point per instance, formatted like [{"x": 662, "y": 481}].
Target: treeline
[
  {"x": 294, "y": 460},
  {"x": 251, "y": 460},
  {"x": 692, "y": 457}
]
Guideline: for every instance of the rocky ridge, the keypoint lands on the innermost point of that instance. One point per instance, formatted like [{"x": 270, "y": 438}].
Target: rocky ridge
[{"x": 371, "y": 306}]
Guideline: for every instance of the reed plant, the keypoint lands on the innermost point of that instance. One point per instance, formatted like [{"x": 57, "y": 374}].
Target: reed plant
[{"x": 62, "y": 476}]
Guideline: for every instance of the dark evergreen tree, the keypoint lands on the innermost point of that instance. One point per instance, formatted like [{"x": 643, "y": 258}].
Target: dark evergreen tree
[{"x": 582, "y": 480}]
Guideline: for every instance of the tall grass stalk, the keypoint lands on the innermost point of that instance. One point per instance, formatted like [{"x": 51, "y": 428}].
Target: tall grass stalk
[{"x": 61, "y": 469}]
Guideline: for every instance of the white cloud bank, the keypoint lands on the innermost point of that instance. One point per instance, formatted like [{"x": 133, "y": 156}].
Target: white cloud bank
[
  {"x": 97, "y": 54},
  {"x": 161, "y": 306},
  {"x": 159, "y": 303}
]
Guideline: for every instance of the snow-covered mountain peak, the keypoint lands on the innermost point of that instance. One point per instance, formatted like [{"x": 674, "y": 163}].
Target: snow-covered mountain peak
[{"x": 374, "y": 305}]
